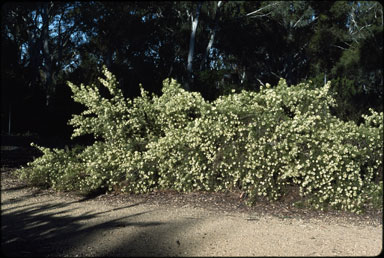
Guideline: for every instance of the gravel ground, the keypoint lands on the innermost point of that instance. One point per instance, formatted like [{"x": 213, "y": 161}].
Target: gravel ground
[{"x": 44, "y": 223}]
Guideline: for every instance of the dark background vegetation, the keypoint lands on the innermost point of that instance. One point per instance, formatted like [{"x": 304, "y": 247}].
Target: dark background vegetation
[{"x": 235, "y": 45}]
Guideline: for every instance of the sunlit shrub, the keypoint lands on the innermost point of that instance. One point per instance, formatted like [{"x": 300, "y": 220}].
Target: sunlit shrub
[{"x": 259, "y": 142}]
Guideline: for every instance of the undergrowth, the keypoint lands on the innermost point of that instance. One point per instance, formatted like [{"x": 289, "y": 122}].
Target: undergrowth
[{"x": 261, "y": 143}]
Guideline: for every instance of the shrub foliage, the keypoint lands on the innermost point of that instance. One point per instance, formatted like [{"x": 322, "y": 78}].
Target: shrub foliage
[{"x": 262, "y": 143}]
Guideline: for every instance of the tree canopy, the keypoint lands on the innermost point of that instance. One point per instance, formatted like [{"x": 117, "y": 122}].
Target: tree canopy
[{"x": 210, "y": 47}]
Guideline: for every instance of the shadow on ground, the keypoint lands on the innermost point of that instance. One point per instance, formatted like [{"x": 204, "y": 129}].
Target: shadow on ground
[
  {"x": 166, "y": 240},
  {"x": 42, "y": 229}
]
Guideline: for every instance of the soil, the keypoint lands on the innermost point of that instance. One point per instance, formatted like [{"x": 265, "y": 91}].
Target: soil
[{"x": 44, "y": 223}]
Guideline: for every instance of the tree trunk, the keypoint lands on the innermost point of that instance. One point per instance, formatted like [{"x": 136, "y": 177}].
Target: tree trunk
[
  {"x": 35, "y": 59},
  {"x": 9, "y": 118},
  {"x": 212, "y": 37},
  {"x": 47, "y": 67},
  {"x": 195, "y": 22}
]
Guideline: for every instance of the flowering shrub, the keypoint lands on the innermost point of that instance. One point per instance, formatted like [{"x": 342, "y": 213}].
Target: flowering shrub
[{"x": 262, "y": 143}]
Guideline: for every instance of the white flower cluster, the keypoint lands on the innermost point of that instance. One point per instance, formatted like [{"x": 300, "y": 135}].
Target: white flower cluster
[{"x": 262, "y": 143}]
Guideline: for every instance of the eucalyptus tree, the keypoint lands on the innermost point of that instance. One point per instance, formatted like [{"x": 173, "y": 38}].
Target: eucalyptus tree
[
  {"x": 266, "y": 40},
  {"x": 347, "y": 45},
  {"x": 38, "y": 45},
  {"x": 128, "y": 38}
]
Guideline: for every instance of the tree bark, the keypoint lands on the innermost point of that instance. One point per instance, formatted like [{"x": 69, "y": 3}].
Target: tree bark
[
  {"x": 34, "y": 44},
  {"x": 212, "y": 37},
  {"x": 47, "y": 67},
  {"x": 194, "y": 21}
]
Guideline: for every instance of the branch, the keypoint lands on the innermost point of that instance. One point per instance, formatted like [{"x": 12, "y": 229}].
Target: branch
[
  {"x": 261, "y": 15},
  {"x": 275, "y": 75},
  {"x": 260, "y": 81},
  {"x": 298, "y": 21},
  {"x": 339, "y": 47},
  {"x": 259, "y": 10}
]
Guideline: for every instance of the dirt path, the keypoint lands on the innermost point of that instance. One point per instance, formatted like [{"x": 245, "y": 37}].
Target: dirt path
[{"x": 44, "y": 223}]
